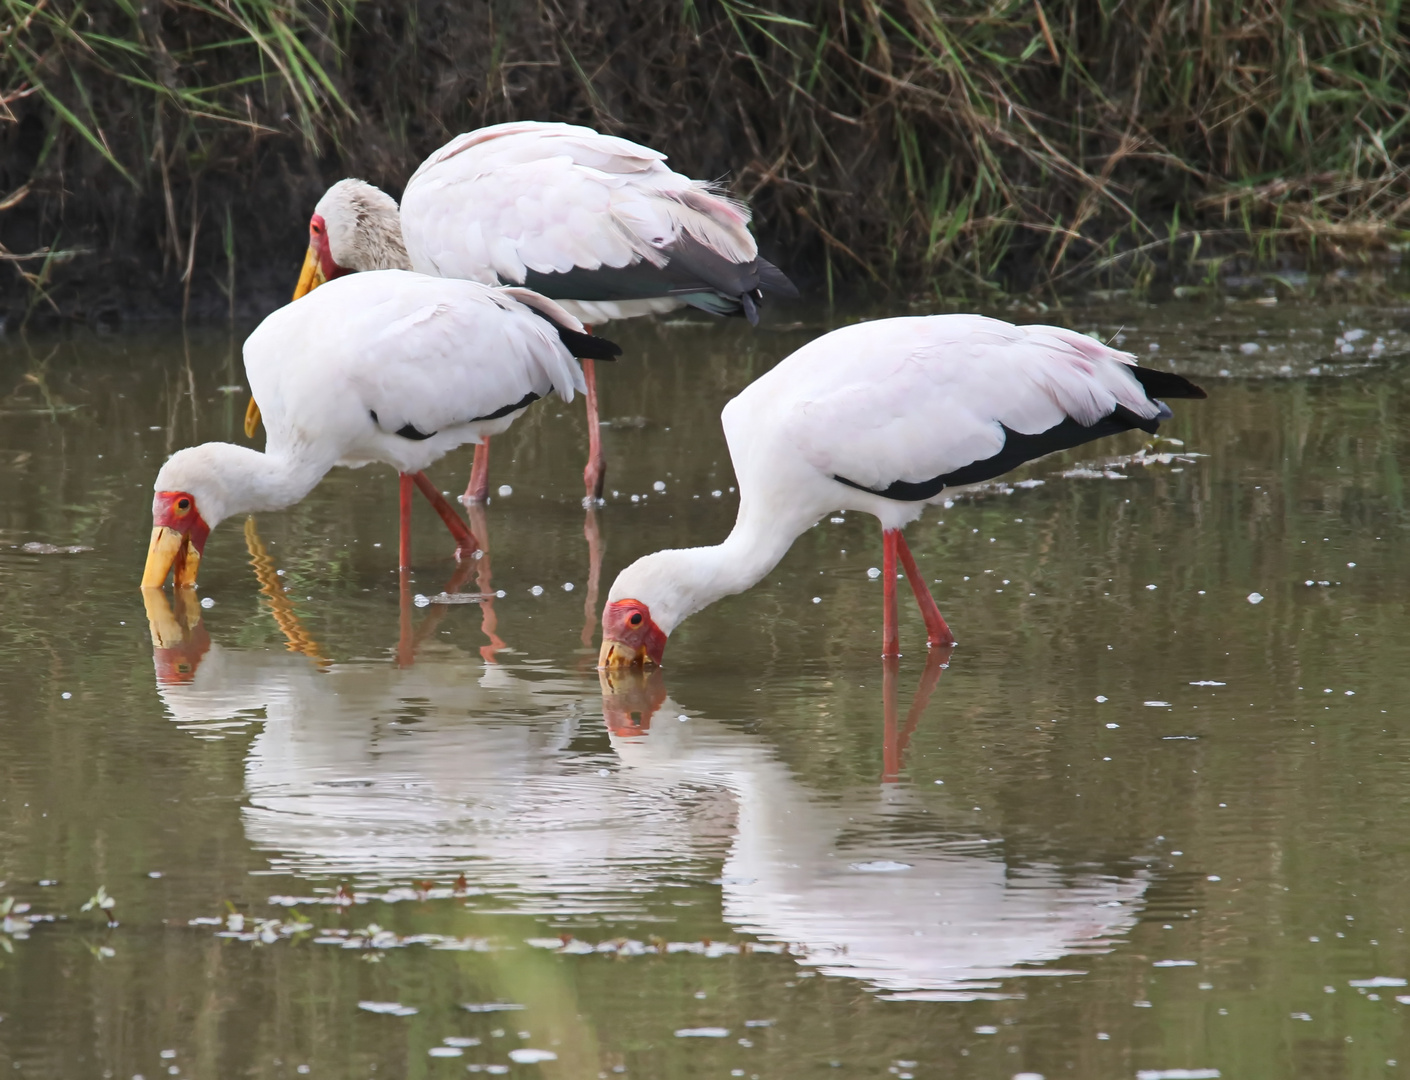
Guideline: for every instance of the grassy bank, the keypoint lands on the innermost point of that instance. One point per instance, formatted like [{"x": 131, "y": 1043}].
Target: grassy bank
[{"x": 156, "y": 154}]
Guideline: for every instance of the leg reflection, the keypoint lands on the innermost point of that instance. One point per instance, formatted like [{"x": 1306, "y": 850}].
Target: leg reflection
[
  {"x": 592, "y": 532},
  {"x": 894, "y": 741}
]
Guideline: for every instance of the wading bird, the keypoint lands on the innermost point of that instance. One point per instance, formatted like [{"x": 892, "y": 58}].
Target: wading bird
[
  {"x": 389, "y": 367},
  {"x": 881, "y": 418},
  {"x": 596, "y": 222}
]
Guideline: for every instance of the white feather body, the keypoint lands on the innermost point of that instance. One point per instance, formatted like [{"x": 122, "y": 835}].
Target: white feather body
[
  {"x": 495, "y": 203},
  {"x": 414, "y": 350}
]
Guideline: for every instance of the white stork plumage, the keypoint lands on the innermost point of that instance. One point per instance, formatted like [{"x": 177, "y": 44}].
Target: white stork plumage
[
  {"x": 597, "y": 222},
  {"x": 882, "y": 418},
  {"x": 389, "y": 367}
]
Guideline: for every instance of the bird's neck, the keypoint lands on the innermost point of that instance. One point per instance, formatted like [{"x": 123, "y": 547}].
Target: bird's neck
[
  {"x": 244, "y": 480},
  {"x": 691, "y": 579}
]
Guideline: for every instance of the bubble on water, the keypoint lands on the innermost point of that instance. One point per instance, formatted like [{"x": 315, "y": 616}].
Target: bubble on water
[
  {"x": 536, "y": 590},
  {"x": 1152, "y": 588},
  {"x": 716, "y": 493},
  {"x": 702, "y": 1033},
  {"x": 1100, "y": 698},
  {"x": 445, "y": 1051},
  {"x": 461, "y": 1040},
  {"x": 1248, "y": 348},
  {"x": 526, "y": 1056},
  {"x": 207, "y": 602},
  {"x": 837, "y": 520},
  {"x": 1113, "y": 725},
  {"x": 817, "y": 599},
  {"x": 505, "y": 490},
  {"x": 1213, "y": 877},
  {"x": 682, "y": 718},
  {"x": 567, "y": 586},
  {"x": 500, "y": 593},
  {"x": 66, "y": 695},
  {"x": 1255, "y": 598},
  {"x": 636, "y": 498},
  {"x": 1157, "y": 704},
  {"x": 1350, "y": 693},
  {"x": 660, "y": 485},
  {"x": 873, "y": 572},
  {"x": 986, "y": 1029},
  {"x": 167, "y": 1055},
  {"x": 1351, "y": 565},
  {"x": 421, "y": 600}
]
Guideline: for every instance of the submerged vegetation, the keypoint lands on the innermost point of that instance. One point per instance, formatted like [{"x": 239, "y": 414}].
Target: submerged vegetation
[{"x": 156, "y": 154}]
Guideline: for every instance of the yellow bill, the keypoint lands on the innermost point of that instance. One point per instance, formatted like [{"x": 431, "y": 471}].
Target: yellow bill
[
  {"x": 311, "y": 276},
  {"x": 251, "y": 419},
  {"x": 170, "y": 552}
]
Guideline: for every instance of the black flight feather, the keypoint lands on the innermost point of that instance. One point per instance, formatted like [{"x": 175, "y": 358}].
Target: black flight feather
[{"x": 1166, "y": 384}]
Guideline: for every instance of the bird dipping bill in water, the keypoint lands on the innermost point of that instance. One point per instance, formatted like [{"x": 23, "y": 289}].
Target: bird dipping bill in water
[
  {"x": 596, "y": 222},
  {"x": 389, "y": 367},
  {"x": 882, "y": 418}
]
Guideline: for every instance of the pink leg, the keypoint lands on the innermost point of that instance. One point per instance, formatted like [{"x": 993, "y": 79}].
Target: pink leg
[
  {"x": 890, "y": 634},
  {"x": 404, "y": 507},
  {"x": 479, "y": 487},
  {"x": 466, "y": 544},
  {"x": 406, "y": 644},
  {"x": 937, "y": 631},
  {"x": 596, "y": 470}
]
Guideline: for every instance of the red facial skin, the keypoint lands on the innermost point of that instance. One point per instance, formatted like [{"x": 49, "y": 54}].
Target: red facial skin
[
  {"x": 628, "y": 623},
  {"x": 178, "y": 663},
  {"x": 318, "y": 240},
  {"x": 177, "y": 510}
]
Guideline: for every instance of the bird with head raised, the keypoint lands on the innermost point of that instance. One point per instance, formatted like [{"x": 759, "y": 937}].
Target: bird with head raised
[
  {"x": 597, "y": 222},
  {"x": 387, "y": 366},
  {"x": 884, "y": 418}
]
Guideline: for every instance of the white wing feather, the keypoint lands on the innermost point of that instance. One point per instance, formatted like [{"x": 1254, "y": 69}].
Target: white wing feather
[
  {"x": 492, "y": 204},
  {"x": 914, "y": 398},
  {"x": 430, "y": 352}
]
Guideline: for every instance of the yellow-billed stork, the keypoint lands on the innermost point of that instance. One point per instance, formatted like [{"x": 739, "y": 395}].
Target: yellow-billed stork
[{"x": 882, "y": 418}]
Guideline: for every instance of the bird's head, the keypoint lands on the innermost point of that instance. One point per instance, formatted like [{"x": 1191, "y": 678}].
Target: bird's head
[
  {"x": 355, "y": 226},
  {"x": 630, "y": 636},
  {"x": 189, "y": 502}
]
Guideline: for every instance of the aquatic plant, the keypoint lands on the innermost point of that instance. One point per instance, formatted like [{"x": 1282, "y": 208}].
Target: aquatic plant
[{"x": 966, "y": 146}]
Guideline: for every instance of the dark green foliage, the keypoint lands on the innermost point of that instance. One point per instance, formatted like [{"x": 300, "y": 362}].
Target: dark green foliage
[{"x": 961, "y": 146}]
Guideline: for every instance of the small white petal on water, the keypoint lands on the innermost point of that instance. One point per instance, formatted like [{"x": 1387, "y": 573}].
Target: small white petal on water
[
  {"x": 1255, "y": 598},
  {"x": 505, "y": 490}
]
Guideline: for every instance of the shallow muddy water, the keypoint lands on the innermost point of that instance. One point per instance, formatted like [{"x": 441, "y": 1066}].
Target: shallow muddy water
[{"x": 1150, "y": 818}]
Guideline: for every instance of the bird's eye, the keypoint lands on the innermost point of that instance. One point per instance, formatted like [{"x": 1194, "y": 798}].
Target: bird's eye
[
  {"x": 635, "y": 620},
  {"x": 182, "y": 505},
  {"x": 316, "y": 228}
]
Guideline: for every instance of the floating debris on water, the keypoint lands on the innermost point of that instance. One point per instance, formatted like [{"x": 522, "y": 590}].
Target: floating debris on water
[
  {"x": 1177, "y": 1074},
  {"x": 34, "y": 547},
  {"x": 1208, "y": 682},
  {"x": 571, "y": 946},
  {"x": 445, "y": 1051},
  {"x": 1175, "y": 963},
  {"x": 526, "y": 1056},
  {"x": 702, "y": 1033},
  {"x": 1379, "y": 980},
  {"x": 491, "y": 1006},
  {"x": 1156, "y": 704},
  {"x": 387, "y": 1008},
  {"x": 452, "y": 598},
  {"x": 1255, "y": 598}
]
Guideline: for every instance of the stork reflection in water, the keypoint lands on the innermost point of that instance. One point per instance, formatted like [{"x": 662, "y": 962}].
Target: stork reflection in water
[{"x": 386, "y": 776}]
